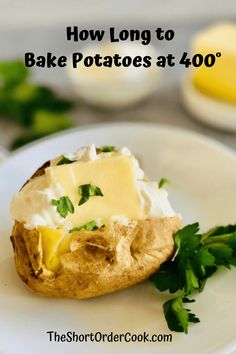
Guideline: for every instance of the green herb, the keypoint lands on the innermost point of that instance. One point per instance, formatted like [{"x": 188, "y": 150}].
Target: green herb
[
  {"x": 64, "y": 161},
  {"x": 34, "y": 107},
  {"x": 64, "y": 206},
  {"x": 162, "y": 182},
  {"x": 107, "y": 148},
  {"x": 87, "y": 191},
  {"x": 12, "y": 73},
  {"x": 177, "y": 316},
  {"x": 47, "y": 122},
  {"x": 43, "y": 123},
  {"x": 89, "y": 226},
  {"x": 197, "y": 258}
]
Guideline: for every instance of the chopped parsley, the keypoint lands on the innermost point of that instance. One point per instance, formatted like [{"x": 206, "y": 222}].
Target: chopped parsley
[
  {"x": 107, "y": 148},
  {"x": 89, "y": 226},
  {"x": 162, "y": 182},
  {"x": 64, "y": 161},
  {"x": 87, "y": 191},
  {"x": 197, "y": 258},
  {"x": 64, "y": 206}
]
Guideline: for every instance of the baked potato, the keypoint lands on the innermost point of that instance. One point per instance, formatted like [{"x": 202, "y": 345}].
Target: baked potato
[{"x": 87, "y": 262}]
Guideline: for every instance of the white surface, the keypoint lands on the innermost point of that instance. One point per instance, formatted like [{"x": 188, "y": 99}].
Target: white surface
[
  {"x": 15, "y": 13},
  {"x": 208, "y": 110},
  {"x": 203, "y": 173}
]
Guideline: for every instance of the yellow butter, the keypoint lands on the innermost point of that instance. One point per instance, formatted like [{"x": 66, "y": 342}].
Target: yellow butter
[
  {"x": 114, "y": 176},
  {"x": 219, "y": 81}
]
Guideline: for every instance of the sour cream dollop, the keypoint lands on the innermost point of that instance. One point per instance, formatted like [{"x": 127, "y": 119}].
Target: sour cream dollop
[{"x": 33, "y": 204}]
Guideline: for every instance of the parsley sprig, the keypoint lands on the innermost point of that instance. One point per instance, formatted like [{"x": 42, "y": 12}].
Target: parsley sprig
[
  {"x": 197, "y": 258},
  {"x": 64, "y": 161},
  {"x": 162, "y": 182},
  {"x": 64, "y": 206},
  {"x": 177, "y": 316},
  {"x": 35, "y": 107},
  {"x": 107, "y": 148},
  {"x": 89, "y": 226},
  {"x": 88, "y": 190}
]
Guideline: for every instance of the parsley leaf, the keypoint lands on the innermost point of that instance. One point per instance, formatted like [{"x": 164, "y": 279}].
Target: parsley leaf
[
  {"x": 197, "y": 258},
  {"x": 64, "y": 160},
  {"x": 177, "y": 316},
  {"x": 42, "y": 123},
  {"x": 165, "y": 278},
  {"x": 162, "y": 182},
  {"x": 107, "y": 149},
  {"x": 186, "y": 271},
  {"x": 89, "y": 226},
  {"x": 12, "y": 73},
  {"x": 221, "y": 243},
  {"x": 87, "y": 191},
  {"x": 64, "y": 206},
  {"x": 47, "y": 122},
  {"x": 37, "y": 108}
]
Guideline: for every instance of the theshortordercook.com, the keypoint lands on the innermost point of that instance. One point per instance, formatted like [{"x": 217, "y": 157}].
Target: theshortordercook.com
[{"x": 127, "y": 337}]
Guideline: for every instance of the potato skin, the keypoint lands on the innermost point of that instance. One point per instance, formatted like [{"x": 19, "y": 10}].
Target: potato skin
[{"x": 100, "y": 261}]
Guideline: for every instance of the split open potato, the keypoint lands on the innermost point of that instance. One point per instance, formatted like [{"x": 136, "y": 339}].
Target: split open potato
[{"x": 94, "y": 258}]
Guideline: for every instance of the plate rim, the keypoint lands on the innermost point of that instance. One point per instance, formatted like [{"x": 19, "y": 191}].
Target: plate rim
[
  {"x": 231, "y": 345},
  {"x": 167, "y": 127}
]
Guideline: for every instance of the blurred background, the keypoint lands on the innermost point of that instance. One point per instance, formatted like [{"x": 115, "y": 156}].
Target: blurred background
[{"x": 39, "y": 101}]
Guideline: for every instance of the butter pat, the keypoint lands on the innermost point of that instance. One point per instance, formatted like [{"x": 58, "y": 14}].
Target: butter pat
[
  {"x": 127, "y": 193},
  {"x": 219, "y": 81},
  {"x": 116, "y": 179}
]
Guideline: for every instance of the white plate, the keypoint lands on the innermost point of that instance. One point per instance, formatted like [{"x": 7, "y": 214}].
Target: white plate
[{"x": 203, "y": 173}]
